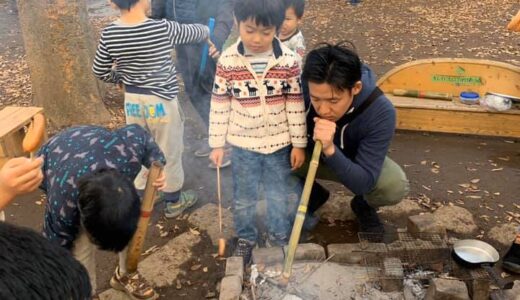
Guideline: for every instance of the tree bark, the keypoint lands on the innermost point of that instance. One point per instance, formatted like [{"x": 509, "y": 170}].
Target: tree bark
[{"x": 60, "y": 51}]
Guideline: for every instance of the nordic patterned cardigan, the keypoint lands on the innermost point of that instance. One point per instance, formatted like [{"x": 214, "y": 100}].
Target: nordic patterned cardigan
[{"x": 261, "y": 114}]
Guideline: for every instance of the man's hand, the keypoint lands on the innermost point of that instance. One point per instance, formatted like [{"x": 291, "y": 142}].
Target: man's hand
[
  {"x": 213, "y": 51},
  {"x": 19, "y": 176},
  {"x": 324, "y": 131},
  {"x": 216, "y": 156},
  {"x": 297, "y": 158},
  {"x": 160, "y": 183}
]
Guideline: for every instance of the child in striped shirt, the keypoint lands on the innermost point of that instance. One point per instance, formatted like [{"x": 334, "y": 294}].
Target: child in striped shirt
[
  {"x": 257, "y": 107},
  {"x": 137, "y": 52}
]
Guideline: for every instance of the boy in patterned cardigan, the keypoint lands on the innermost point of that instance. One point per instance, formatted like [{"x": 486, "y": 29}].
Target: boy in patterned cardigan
[{"x": 257, "y": 107}]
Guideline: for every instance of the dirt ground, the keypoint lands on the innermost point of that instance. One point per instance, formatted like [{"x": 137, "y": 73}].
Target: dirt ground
[{"x": 386, "y": 34}]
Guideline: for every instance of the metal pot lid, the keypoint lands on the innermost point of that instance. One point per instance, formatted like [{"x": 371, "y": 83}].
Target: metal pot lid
[{"x": 476, "y": 251}]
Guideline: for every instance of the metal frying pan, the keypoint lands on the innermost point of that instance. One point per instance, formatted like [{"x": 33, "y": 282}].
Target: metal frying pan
[{"x": 476, "y": 253}]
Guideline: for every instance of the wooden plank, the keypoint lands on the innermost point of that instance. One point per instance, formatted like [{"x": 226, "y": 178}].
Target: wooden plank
[
  {"x": 455, "y": 105},
  {"x": 452, "y": 75},
  {"x": 13, "y": 118},
  {"x": 465, "y": 122}
]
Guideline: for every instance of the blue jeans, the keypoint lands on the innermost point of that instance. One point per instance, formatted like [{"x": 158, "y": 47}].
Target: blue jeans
[{"x": 249, "y": 170}]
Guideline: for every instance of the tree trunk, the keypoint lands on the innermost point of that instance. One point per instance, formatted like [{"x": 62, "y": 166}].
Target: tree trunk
[{"x": 60, "y": 51}]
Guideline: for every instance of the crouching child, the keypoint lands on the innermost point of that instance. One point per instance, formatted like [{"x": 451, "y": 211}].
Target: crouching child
[{"x": 91, "y": 199}]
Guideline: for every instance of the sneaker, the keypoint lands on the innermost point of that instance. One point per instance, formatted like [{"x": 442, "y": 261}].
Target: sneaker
[
  {"x": 133, "y": 285},
  {"x": 244, "y": 248},
  {"x": 188, "y": 199},
  {"x": 511, "y": 260},
  {"x": 203, "y": 151},
  {"x": 367, "y": 216},
  {"x": 276, "y": 241}
]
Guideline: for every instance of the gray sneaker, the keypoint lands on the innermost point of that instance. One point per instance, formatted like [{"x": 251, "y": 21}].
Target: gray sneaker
[
  {"x": 188, "y": 199},
  {"x": 203, "y": 151}
]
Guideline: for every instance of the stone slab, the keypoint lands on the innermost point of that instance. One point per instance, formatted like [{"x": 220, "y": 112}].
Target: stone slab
[
  {"x": 308, "y": 252},
  {"x": 446, "y": 289},
  {"x": 112, "y": 294},
  {"x": 230, "y": 288},
  {"x": 424, "y": 223},
  {"x": 235, "y": 266},
  {"x": 268, "y": 256}
]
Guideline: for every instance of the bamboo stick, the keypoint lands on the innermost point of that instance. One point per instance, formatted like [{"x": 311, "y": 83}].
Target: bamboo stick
[
  {"x": 136, "y": 244},
  {"x": 302, "y": 210}
]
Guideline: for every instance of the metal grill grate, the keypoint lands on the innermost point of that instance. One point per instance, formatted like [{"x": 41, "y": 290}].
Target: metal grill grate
[{"x": 405, "y": 255}]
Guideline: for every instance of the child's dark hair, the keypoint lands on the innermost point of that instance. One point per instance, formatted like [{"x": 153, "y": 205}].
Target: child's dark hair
[
  {"x": 125, "y": 4},
  {"x": 297, "y": 5},
  {"x": 109, "y": 208},
  {"x": 264, "y": 12},
  {"x": 35, "y": 268},
  {"x": 337, "y": 65}
]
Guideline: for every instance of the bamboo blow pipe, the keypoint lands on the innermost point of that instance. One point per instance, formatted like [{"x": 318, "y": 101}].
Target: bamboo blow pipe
[
  {"x": 221, "y": 240},
  {"x": 422, "y": 94},
  {"x": 136, "y": 244},
  {"x": 300, "y": 215},
  {"x": 34, "y": 136}
]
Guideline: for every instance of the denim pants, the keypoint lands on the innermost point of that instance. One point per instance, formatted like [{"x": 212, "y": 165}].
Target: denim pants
[{"x": 250, "y": 169}]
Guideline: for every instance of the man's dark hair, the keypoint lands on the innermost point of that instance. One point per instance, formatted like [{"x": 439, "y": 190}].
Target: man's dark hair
[
  {"x": 32, "y": 267},
  {"x": 337, "y": 65},
  {"x": 109, "y": 208},
  {"x": 297, "y": 5},
  {"x": 125, "y": 4},
  {"x": 265, "y": 12}
]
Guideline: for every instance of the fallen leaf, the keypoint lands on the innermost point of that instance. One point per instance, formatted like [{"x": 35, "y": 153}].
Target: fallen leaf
[
  {"x": 205, "y": 270},
  {"x": 449, "y": 192},
  {"x": 426, "y": 188},
  {"x": 434, "y": 170},
  {"x": 497, "y": 169},
  {"x": 424, "y": 162},
  {"x": 474, "y": 197},
  {"x": 193, "y": 231},
  {"x": 178, "y": 284},
  {"x": 504, "y": 158},
  {"x": 195, "y": 267},
  {"x": 38, "y": 202},
  {"x": 164, "y": 234},
  {"x": 475, "y": 181},
  {"x": 465, "y": 185}
]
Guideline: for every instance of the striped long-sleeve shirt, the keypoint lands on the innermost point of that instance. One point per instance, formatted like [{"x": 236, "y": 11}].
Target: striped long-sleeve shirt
[{"x": 140, "y": 55}]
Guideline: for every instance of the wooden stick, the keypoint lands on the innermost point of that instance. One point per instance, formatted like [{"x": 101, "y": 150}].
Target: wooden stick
[
  {"x": 302, "y": 210},
  {"x": 219, "y": 201},
  {"x": 423, "y": 94},
  {"x": 136, "y": 244},
  {"x": 221, "y": 240}
]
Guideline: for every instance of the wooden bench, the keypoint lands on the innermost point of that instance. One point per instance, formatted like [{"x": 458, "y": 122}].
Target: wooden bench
[
  {"x": 13, "y": 119},
  {"x": 454, "y": 76}
]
